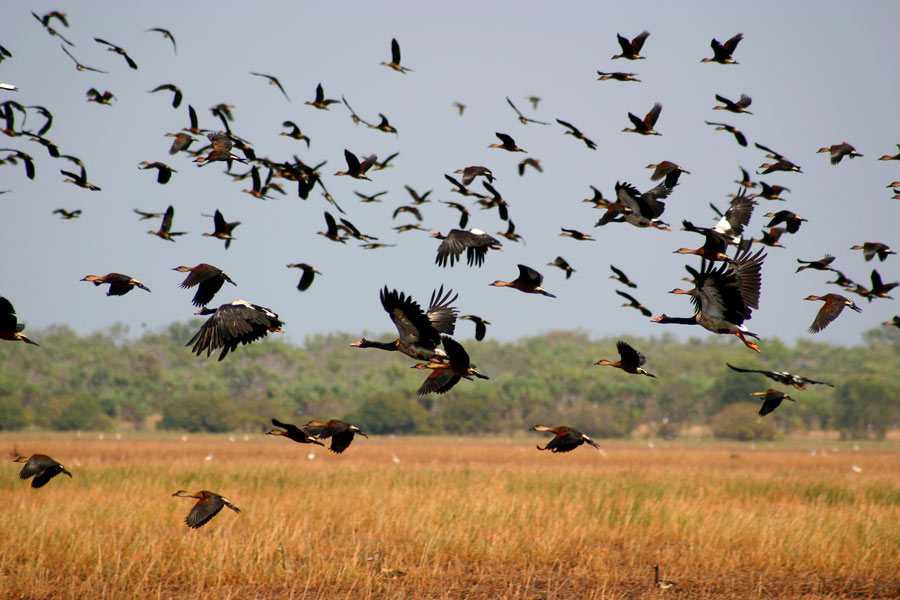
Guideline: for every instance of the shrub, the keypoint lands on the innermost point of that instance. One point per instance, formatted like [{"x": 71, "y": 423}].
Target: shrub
[{"x": 739, "y": 421}]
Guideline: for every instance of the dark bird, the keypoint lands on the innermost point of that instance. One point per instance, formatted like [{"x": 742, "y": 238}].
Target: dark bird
[
  {"x": 770, "y": 192},
  {"x": 792, "y": 221},
  {"x": 238, "y": 322},
  {"x": 842, "y": 280},
  {"x": 530, "y": 162},
  {"x": 146, "y": 215},
  {"x": 463, "y": 212},
  {"x": 321, "y": 102},
  {"x": 630, "y": 360},
  {"x": 10, "y": 329},
  {"x": 736, "y": 107},
  {"x": 481, "y": 325},
  {"x": 445, "y": 375},
  {"x": 301, "y": 435},
  {"x": 357, "y": 169},
  {"x": 383, "y": 125},
  {"x": 165, "y": 227},
  {"x": 771, "y": 237},
  {"x": 475, "y": 242},
  {"x": 164, "y": 171},
  {"x": 470, "y": 173},
  {"x": 166, "y": 34},
  {"x": 577, "y": 134},
  {"x": 528, "y": 281},
  {"x": 353, "y": 232},
  {"x": 781, "y": 162},
  {"x": 714, "y": 246},
  {"x": 839, "y": 151},
  {"x": 209, "y": 280},
  {"x": 309, "y": 273},
  {"x": 576, "y": 235},
  {"x": 26, "y": 159},
  {"x": 208, "y": 505},
  {"x": 645, "y": 126},
  {"x": 106, "y": 97},
  {"x": 739, "y": 136},
  {"x": 632, "y": 49},
  {"x": 823, "y": 264},
  {"x": 617, "y": 75},
  {"x": 662, "y": 584},
  {"x": 419, "y": 332},
  {"x": 273, "y": 81},
  {"x": 507, "y": 143},
  {"x": 622, "y": 277},
  {"x": 510, "y": 232},
  {"x": 460, "y": 107},
  {"x": 643, "y": 209},
  {"x": 782, "y": 377},
  {"x": 65, "y": 214},
  {"x": 522, "y": 118},
  {"x": 722, "y": 52},
  {"x": 294, "y": 132},
  {"x": 633, "y": 303},
  {"x": 408, "y": 209},
  {"x": 873, "y": 249},
  {"x": 879, "y": 289},
  {"x": 395, "y": 58},
  {"x": 45, "y": 21},
  {"x": 745, "y": 180},
  {"x": 222, "y": 228},
  {"x": 177, "y": 96},
  {"x": 118, "y": 50},
  {"x": 562, "y": 264},
  {"x": 895, "y": 322},
  {"x": 52, "y": 149},
  {"x": 182, "y": 142},
  {"x": 834, "y": 304},
  {"x": 370, "y": 197},
  {"x": 47, "y": 115},
  {"x": 565, "y": 438},
  {"x": 664, "y": 169},
  {"x": 341, "y": 433},
  {"x": 41, "y": 467},
  {"x": 119, "y": 284},
  {"x": 459, "y": 188},
  {"x": 332, "y": 231},
  {"x": 78, "y": 65},
  {"x": 416, "y": 196},
  {"x": 771, "y": 400}
]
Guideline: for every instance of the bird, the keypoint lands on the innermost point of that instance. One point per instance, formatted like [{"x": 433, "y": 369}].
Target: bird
[
  {"x": 419, "y": 332},
  {"x": 238, "y": 322},
  {"x": 106, "y": 97},
  {"x": 182, "y": 142},
  {"x": 783, "y": 377},
  {"x": 565, "y": 438},
  {"x": 781, "y": 162},
  {"x": 873, "y": 249},
  {"x": 177, "y": 95},
  {"x": 341, "y": 433},
  {"x": 357, "y": 169},
  {"x": 577, "y": 134},
  {"x": 209, "y": 280},
  {"x": 823, "y": 264},
  {"x": 510, "y": 232},
  {"x": 79, "y": 179},
  {"x": 562, "y": 264},
  {"x": 294, "y": 132},
  {"x": 641, "y": 209},
  {"x": 222, "y": 145},
  {"x": 722, "y": 52},
  {"x": 522, "y": 118},
  {"x": 576, "y": 235},
  {"x": 332, "y": 231},
  {"x": 119, "y": 284},
  {"x": 460, "y": 189},
  {"x": 208, "y": 505},
  {"x": 480, "y": 325},
  {"x": 663, "y": 169},
  {"x": 165, "y": 227},
  {"x": 41, "y": 467},
  {"x": 301, "y": 435},
  {"x": 460, "y": 107},
  {"x": 662, "y": 584},
  {"x": 407, "y": 209},
  {"x": 470, "y": 173},
  {"x": 10, "y": 328},
  {"x": 507, "y": 143},
  {"x": 166, "y": 34},
  {"x": 771, "y": 400},
  {"x": 739, "y": 136},
  {"x": 309, "y": 273},
  {"x": 146, "y": 215},
  {"x": 445, "y": 375},
  {"x": 895, "y": 322},
  {"x": 463, "y": 212},
  {"x": 879, "y": 289},
  {"x": 792, "y": 221},
  {"x": 222, "y": 229},
  {"x": 622, "y": 277},
  {"x": 886, "y": 156},
  {"x": 475, "y": 242},
  {"x": 834, "y": 304},
  {"x": 771, "y": 237},
  {"x": 67, "y": 214},
  {"x": 27, "y": 161},
  {"x": 632, "y": 49},
  {"x": 645, "y": 126},
  {"x": 163, "y": 171},
  {"x": 273, "y": 81},
  {"x": 839, "y": 151},
  {"x": 770, "y": 192},
  {"x": 617, "y": 75},
  {"x": 535, "y": 163},
  {"x": 740, "y": 106},
  {"x": 370, "y": 197},
  {"x": 630, "y": 360},
  {"x": 714, "y": 246},
  {"x": 395, "y": 58},
  {"x": 118, "y": 50},
  {"x": 528, "y": 281},
  {"x": 78, "y": 65},
  {"x": 633, "y": 303},
  {"x": 320, "y": 101}
]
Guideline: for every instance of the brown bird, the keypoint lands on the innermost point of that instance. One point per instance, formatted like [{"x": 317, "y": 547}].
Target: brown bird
[
  {"x": 80, "y": 180},
  {"x": 209, "y": 280},
  {"x": 163, "y": 171},
  {"x": 10, "y": 328},
  {"x": 662, "y": 584},
  {"x": 781, "y": 162},
  {"x": 383, "y": 125},
  {"x": 885, "y": 157},
  {"x": 238, "y": 322},
  {"x": 770, "y": 192},
  {"x": 357, "y": 169},
  {"x": 895, "y": 322},
  {"x": 630, "y": 360},
  {"x": 663, "y": 169},
  {"x": 78, "y": 65},
  {"x": 118, "y": 50},
  {"x": 834, "y": 304},
  {"x": 645, "y": 126},
  {"x": 839, "y": 151},
  {"x": 507, "y": 143},
  {"x": 460, "y": 107},
  {"x": 481, "y": 325},
  {"x": 106, "y": 97},
  {"x": 622, "y": 277},
  {"x": 301, "y": 435},
  {"x": 792, "y": 221},
  {"x": 222, "y": 145},
  {"x": 166, "y": 34},
  {"x": 632, "y": 49},
  {"x": 408, "y": 209},
  {"x": 576, "y": 235},
  {"x": 528, "y": 281},
  {"x": 470, "y": 173},
  {"x": 823, "y": 264},
  {"x": 273, "y": 81},
  {"x": 530, "y": 162},
  {"x": 146, "y": 215},
  {"x": 562, "y": 264},
  {"x": 445, "y": 375},
  {"x": 41, "y": 467},
  {"x": 119, "y": 284},
  {"x": 873, "y": 249},
  {"x": 565, "y": 439},
  {"x": 771, "y": 237},
  {"x": 182, "y": 142},
  {"x": 341, "y": 433},
  {"x": 739, "y": 136},
  {"x": 332, "y": 231},
  {"x": 395, "y": 58},
  {"x": 722, "y": 52},
  {"x": 618, "y": 76},
  {"x": 222, "y": 228},
  {"x": 294, "y": 132},
  {"x": 309, "y": 274},
  {"x": 576, "y": 133},
  {"x": 736, "y": 107},
  {"x": 510, "y": 232},
  {"x": 164, "y": 231},
  {"x": 783, "y": 377},
  {"x": 369, "y": 197},
  {"x": 177, "y": 96},
  {"x": 320, "y": 101},
  {"x": 633, "y": 303},
  {"x": 208, "y": 505},
  {"x": 771, "y": 400},
  {"x": 879, "y": 289},
  {"x": 475, "y": 242},
  {"x": 522, "y": 118},
  {"x": 66, "y": 214}
]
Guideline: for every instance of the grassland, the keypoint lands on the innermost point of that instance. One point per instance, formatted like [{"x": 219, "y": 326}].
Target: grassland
[{"x": 442, "y": 518}]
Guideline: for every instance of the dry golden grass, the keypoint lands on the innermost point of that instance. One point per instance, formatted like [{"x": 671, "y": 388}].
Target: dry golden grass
[{"x": 458, "y": 518}]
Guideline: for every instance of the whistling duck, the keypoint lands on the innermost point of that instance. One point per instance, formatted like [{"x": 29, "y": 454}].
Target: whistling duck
[
  {"x": 375, "y": 246},
  {"x": 357, "y": 169},
  {"x": 663, "y": 169},
  {"x": 745, "y": 180},
  {"x": 407, "y": 209},
  {"x": 839, "y": 151},
  {"x": 238, "y": 322},
  {"x": 842, "y": 280},
  {"x": 163, "y": 171},
  {"x": 576, "y": 235},
  {"x": 722, "y": 52},
  {"x": 395, "y": 58},
  {"x": 770, "y": 192},
  {"x": 182, "y": 142},
  {"x": 78, "y": 179},
  {"x": 522, "y": 118},
  {"x": 643, "y": 209},
  {"x": 209, "y": 280},
  {"x": 309, "y": 273},
  {"x": 879, "y": 289},
  {"x": 10, "y": 328},
  {"x": 617, "y": 75},
  {"x": 475, "y": 242},
  {"x": 470, "y": 173},
  {"x": 383, "y": 125},
  {"x": 724, "y": 296},
  {"x": 739, "y": 136},
  {"x": 419, "y": 331},
  {"x": 370, "y": 197},
  {"x": 771, "y": 400},
  {"x": 273, "y": 81},
  {"x": 166, "y": 34},
  {"x": 48, "y": 17},
  {"x": 66, "y": 214},
  {"x": 645, "y": 126},
  {"x": 713, "y": 247},
  {"x": 507, "y": 143},
  {"x": 445, "y": 375},
  {"x": 510, "y": 232},
  {"x": 562, "y": 264},
  {"x": 873, "y": 249},
  {"x": 78, "y": 65},
  {"x": 771, "y": 237},
  {"x": 662, "y": 584},
  {"x": 633, "y": 303},
  {"x": 94, "y": 95},
  {"x": 208, "y": 505},
  {"x": 222, "y": 145},
  {"x": 736, "y": 107},
  {"x": 146, "y": 215},
  {"x": 27, "y": 161},
  {"x": 410, "y": 227},
  {"x": 41, "y": 467},
  {"x": 459, "y": 188},
  {"x": 52, "y": 149},
  {"x": 823, "y": 264},
  {"x": 534, "y": 101},
  {"x": 460, "y": 107},
  {"x": 321, "y": 102},
  {"x": 792, "y": 221},
  {"x": 355, "y": 117},
  {"x": 164, "y": 232},
  {"x": 528, "y": 281},
  {"x": 417, "y": 198},
  {"x": 576, "y": 133},
  {"x": 341, "y": 433},
  {"x": 885, "y": 157},
  {"x": 781, "y": 162},
  {"x": 118, "y": 50},
  {"x": 331, "y": 232},
  {"x": 463, "y": 212},
  {"x": 480, "y": 325},
  {"x": 630, "y": 360},
  {"x": 632, "y": 49},
  {"x": 622, "y": 277},
  {"x": 535, "y": 163},
  {"x": 294, "y": 132},
  {"x": 352, "y": 232},
  {"x": 895, "y": 322},
  {"x": 222, "y": 228},
  {"x": 494, "y": 200},
  {"x": 597, "y": 199},
  {"x": 301, "y": 435},
  {"x": 565, "y": 438},
  {"x": 834, "y": 304},
  {"x": 783, "y": 377},
  {"x": 118, "y": 284}
]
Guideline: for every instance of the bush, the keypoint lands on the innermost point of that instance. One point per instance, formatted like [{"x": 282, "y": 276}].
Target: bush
[
  {"x": 200, "y": 412},
  {"x": 739, "y": 421},
  {"x": 12, "y": 415},
  {"x": 81, "y": 412},
  {"x": 390, "y": 413}
]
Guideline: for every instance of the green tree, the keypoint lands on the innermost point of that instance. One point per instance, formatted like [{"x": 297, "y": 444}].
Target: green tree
[
  {"x": 864, "y": 408},
  {"x": 739, "y": 421}
]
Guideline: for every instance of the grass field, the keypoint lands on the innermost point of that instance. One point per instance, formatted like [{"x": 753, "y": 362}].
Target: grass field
[{"x": 446, "y": 518}]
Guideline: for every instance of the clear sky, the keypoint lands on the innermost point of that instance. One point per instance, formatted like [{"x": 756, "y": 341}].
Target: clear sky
[{"x": 819, "y": 73}]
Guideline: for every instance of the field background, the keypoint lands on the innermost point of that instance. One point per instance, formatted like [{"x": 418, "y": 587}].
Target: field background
[{"x": 452, "y": 518}]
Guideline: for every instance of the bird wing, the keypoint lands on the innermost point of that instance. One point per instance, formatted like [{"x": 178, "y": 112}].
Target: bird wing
[
  {"x": 441, "y": 315},
  {"x": 629, "y": 355},
  {"x": 395, "y": 52},
  {"x": 530, "y": 276},
  {"x": 653, "y": 115},
  {"x": 413, "y": 325}
]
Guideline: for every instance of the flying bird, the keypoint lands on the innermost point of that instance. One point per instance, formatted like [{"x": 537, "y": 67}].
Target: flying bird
[
  {"x": 645, "y": 126},
  {"x": 10, "y": 329},
  {"x": 782, "y": 377},
  {"x": 208, "y": 280},
  {"x": 771, "y": 400},
  {"x": 630, "y": 360},
  {"x": 118, "y": 50},
  {"x": 577, "y": 134},
  {"x": 166, "y": 34},
  {"x": 395, "y": 58},
  {"x": 238, "y": 322},
  {"x": 722, "y": 52},
  {"x": 475, "y": 242},
  {"x": 565, "y": 438},
  {"x": 522, "y": 118},
  {"x": 834, "y": 304},
  {"x": 273, "y": 81},
  {"x": 632, "y": 49},
  {"x": 309, "y": 274},
  {"x": 528, "y": 281},
  {"x": 119, "y": 284},
  {"x": 208, "y": 505},
  {"x": 41, "y": 467}
]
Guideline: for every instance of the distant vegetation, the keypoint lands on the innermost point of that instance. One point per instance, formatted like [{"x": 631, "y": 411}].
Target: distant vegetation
[{"x": 105, "y": 380}]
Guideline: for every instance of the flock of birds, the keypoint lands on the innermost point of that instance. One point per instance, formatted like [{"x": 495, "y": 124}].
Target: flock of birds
[{"x": 726, "y": 286}]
